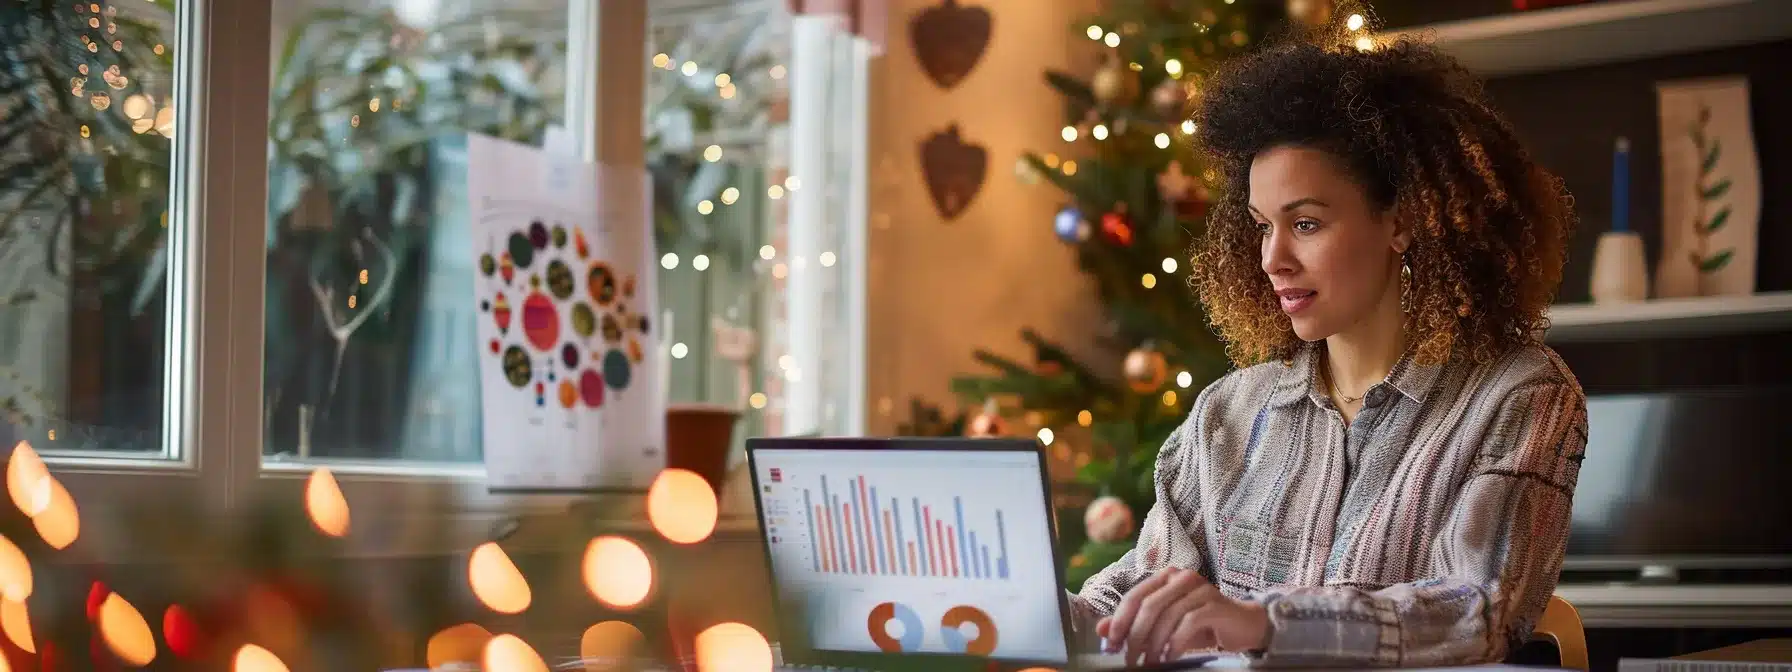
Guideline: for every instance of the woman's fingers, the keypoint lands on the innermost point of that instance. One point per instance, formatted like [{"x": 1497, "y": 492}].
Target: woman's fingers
[
  {"x": 1120, "y": 623},
  {"x": 1157, "y": 643},
  {"x": 1158, "y": 607},
  {"x": 1194, "y": 630}
]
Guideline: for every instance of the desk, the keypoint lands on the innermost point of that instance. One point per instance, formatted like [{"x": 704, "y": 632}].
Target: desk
[{"x": 1680, "y": 606}]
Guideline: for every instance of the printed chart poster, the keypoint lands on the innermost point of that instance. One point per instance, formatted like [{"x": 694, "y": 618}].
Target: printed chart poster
[{"x": 568, "y": 369}]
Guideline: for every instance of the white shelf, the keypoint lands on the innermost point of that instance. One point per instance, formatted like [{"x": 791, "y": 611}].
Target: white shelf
[
  {"x": 1605, "y": 31},
  {"x": 1680, "y": 606},
  {"x": 1663, "y": 318}
]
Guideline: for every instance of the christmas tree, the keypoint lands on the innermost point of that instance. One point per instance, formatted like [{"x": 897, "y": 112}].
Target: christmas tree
[{"x": 1137, "y": 193}]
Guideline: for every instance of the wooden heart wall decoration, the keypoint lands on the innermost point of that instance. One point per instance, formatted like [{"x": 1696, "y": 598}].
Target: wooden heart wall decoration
[
  {"x": 954, "y": 171},
  {"x": 948, "y": 40}
]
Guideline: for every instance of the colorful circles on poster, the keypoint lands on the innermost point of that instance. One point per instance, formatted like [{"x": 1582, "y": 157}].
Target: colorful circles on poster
[
  {"x": 560, "y": 280},
  {"x": 628, "y": 286},
  {"x": 506, "y": 267},
  {"x": 584, "y": 321},
  {"x": 877, "y": 624},
  {"x": 579, "y": 246},
  {"x": 569, "y": 394},
  {"x": 517, "y": 368},
  {"x": 952, "y": 633},
  {"x": 634, "y": 350},
  {"x": 522, "y": 253},
  {"x": 601, "y": 282},
  {"x": 487, "y": 265},
  {"x": 591, "y": 389},
  {"x": 541, "y": 322},
  {"x": 538, "y": 235},
  {"x": 569, "y": 355},
  {"x": 612, "y": 329},
  {"x": 501, "y": 313},
  {"x": 559, "y": 236},
  {"x": 496, "y": 346},
  {"x": 616, "y": 369}
]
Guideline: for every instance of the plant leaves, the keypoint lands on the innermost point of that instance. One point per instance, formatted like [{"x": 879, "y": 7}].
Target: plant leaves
[
  {"x": 1718, "y": 220},
  {"x": 1716, "y": 261},
  {"x": 1711, "y": 155},
  {"x": 1715, "y": 191}
]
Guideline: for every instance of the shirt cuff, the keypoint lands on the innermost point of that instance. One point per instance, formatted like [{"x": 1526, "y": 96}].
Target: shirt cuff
[{"x": 1313, "y": 628}]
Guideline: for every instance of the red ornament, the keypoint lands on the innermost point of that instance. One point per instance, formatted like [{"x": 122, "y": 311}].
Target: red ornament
[
  {"x": 182, "y": 632},
  {"x": 1116, "y": 228},
  {"x": 95, "y": 597}
]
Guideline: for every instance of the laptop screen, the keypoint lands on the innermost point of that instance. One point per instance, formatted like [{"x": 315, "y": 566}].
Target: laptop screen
[{"x": 891, "y": 550}]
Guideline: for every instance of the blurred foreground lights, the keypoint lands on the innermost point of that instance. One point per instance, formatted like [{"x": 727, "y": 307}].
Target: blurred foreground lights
[
  {"x": 828, "y": 259},
  {"x": 1354, "y": 23},
  {"x": 1365, "y": 44},
  {"x": 325, "y": 504},
  {"x": 732, "y": 647},
  {"x": 17, "y": 623},
  {"x": 15, "y": 572},
  {"x": 507, "y": 653},
  {"x": 700, "y": 262},
  {"x": 1069, "y": 134},
  {"x": 60, "y": 523},
  {"x": 252, "y": 658},
  {"x": 463, "y": 644},
  {"x": 27, "y": 480},
  {"x": 669, "y": 261},
  {"x": 1184, "y": 379},
  {"x": 679, "y": 350},
  {"x": 496, "y": 581},
  {"x": 1045, "y": 435},
  {"x": 712, "y": 153},
  {"x": 1100, "y": 132},
  {"x": 125, "y": 632},
  {"x": 756, "y": 400},
  {"x": 617, "y": 572},
  {"x": 1169, "y": 264},
  {"x": 1188, "y": 127},
  {"x": 681, "y": 506},
  {"x": 610, "y": 645},
  {"x": 1162, "y": 140}
]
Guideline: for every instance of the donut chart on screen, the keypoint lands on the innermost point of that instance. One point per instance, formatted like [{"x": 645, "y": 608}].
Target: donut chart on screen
[
  {"x": 955, "y": 618},
  {"x": 878, "y": 626}
]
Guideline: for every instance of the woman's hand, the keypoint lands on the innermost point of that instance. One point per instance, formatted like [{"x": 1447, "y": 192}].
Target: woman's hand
[{"x": 1175, "y": 611}]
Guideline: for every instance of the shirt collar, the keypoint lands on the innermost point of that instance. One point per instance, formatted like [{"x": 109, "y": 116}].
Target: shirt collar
[{"x": 1300, "y": 379}]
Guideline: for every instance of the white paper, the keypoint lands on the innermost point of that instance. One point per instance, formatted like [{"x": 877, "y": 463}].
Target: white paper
[{"x": 565, "y": 284}]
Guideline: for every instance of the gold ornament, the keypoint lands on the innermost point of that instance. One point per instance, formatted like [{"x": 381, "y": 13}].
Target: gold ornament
[
  {"x": 1114, "y": 84},
  {"x": 1145, "y": 370}
]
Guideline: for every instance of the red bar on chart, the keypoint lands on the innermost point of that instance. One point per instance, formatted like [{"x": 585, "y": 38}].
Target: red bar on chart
[
  {"x": 870, "y": 538},
  {"x": 852, "y": 559},
  {"x": 933, "y": 547},
  {"x": 912, "y": 567},
  {"x": 822, "y": 540},
  {"x": 949, "y": 554},
  {"x": 833, "y": 537}
]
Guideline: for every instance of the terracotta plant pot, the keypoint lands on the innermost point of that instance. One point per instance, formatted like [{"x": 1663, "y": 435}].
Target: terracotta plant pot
[{"x": 698, "y": 438}]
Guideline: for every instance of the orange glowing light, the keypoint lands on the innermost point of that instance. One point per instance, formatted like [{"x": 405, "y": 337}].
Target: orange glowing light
[
  {"x": 325, "y": 504},
  {"x": 617, "y": 572},
  {"x": 682, "y": 506},
  {"x": 15, "y": 572},
  {"x": 17, "y": 623},
  {"x": 463, "y": 643},
  {"x": 27, "y": 480},
  {"x": 125, "y": 631},
  {"x": 507, "y": 653},
  {"x": 610, "y": 645},
  {"x": 496, "y": 581},
  {"x": 252, "y": 658},
  {"x": 732, "y": 647},
  {"x": 59, "y": 523}
]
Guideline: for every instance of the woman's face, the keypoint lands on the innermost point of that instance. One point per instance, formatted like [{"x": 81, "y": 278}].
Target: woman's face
[{"x": 1332, "y": 255}]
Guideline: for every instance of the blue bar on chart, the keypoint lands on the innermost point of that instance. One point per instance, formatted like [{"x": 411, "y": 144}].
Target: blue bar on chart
[
  {"x": 1002, "y": 543},
  {"x": 809, "y": 514}
]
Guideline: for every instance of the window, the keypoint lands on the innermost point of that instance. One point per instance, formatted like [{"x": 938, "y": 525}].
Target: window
[
  {"x": 87, "y": 150},
  {"x": 370, "y": 322}
]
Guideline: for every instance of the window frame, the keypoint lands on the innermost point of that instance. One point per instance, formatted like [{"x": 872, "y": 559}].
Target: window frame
[{"x": 213, "y": 416}]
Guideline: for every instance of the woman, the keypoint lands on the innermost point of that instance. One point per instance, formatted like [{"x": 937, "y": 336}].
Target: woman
[{"x": 1390, "y": 483}]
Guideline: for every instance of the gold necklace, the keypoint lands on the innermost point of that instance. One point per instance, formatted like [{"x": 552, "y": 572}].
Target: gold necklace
[{"x": 1332, "y": 387}]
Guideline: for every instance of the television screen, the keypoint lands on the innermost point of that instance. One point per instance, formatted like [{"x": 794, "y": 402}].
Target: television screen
[{"x": 1686, "y": 477}]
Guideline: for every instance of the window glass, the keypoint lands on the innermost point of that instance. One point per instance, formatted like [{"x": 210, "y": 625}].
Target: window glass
[
  {"x": 87, "y": 140},
  {"x": 753, "y": 212},
  {"x": 370, "y": 320}
]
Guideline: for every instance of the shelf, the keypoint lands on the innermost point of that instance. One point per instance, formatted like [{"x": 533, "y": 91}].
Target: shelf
[
  {"x": 1665, "y": 318},
  {"x": 1605, "y": 31},
  {"x": 1680, "y": 606}
]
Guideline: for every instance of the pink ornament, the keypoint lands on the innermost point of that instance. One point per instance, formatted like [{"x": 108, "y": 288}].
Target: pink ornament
[{"x": 1108, "y": 520}]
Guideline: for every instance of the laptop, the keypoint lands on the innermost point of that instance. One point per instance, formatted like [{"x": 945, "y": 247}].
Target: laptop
[{"x": 899, "y": 553}]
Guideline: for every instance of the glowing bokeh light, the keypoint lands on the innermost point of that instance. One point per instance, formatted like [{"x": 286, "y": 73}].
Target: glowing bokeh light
[
  {"x": 617, "y": 572},
  {"x": 507, "y": 653},
  {"x": 464, "y": 643},
  {"x": 325, "y": 504},
  {"x": 682, "y": 506},
  {"x": 732, "y": 647},
  {"x": 252, "y": 658},
  {"x": 125, "y": 632},
  {"x": 496, "y": 581}
]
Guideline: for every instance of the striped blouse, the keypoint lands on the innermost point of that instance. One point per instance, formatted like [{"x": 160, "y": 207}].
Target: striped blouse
[{"x": 1430, "y": 531}]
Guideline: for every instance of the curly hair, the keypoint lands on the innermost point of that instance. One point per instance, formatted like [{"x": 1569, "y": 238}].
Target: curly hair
[{"x": 1489, "y": 226}]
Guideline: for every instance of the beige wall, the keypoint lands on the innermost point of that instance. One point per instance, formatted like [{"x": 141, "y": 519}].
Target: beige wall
[{"x": 940, "y": 289}]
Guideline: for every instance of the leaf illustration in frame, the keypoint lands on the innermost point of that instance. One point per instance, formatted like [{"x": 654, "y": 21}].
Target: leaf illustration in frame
[
  {"x": 1715, "y": 191},
  {"x": 1711, "y": 156},
  {"x": 1718, "y": 220},
  {"x": 1716, "y": 261}
]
